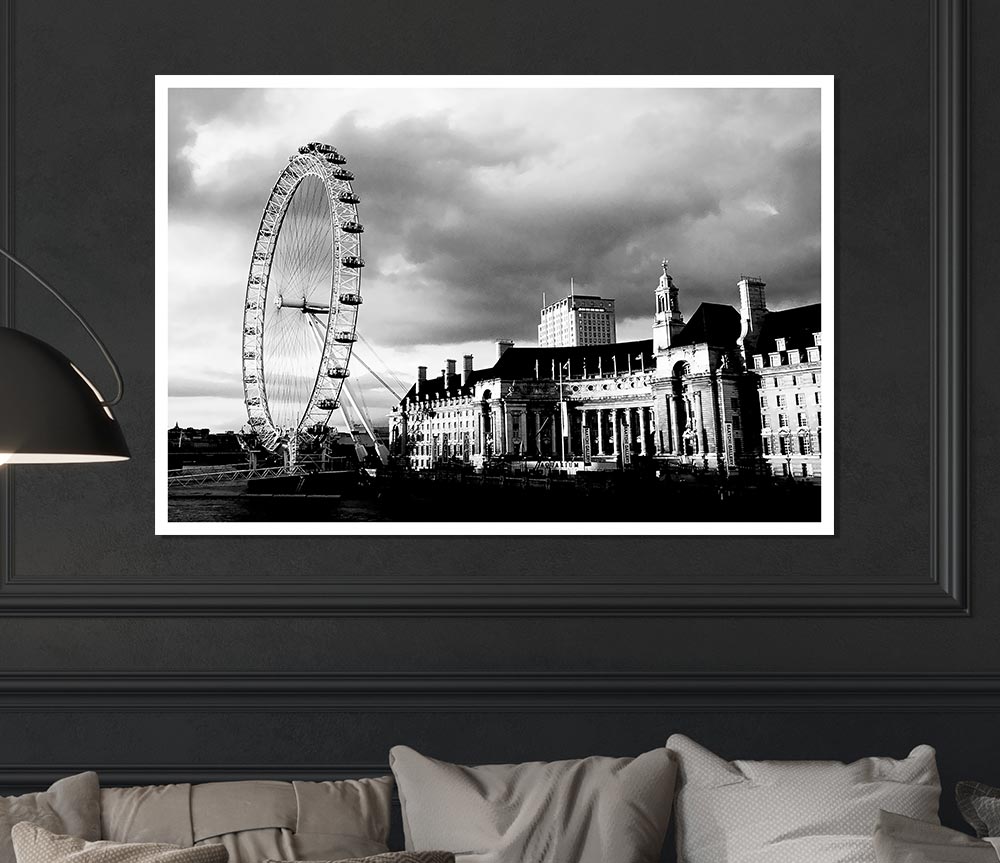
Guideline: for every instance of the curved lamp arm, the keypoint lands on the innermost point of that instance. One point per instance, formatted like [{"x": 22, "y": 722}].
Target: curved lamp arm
[{"x": 80, "y": 320}]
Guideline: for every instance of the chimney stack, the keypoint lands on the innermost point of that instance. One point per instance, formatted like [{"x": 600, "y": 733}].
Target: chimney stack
[
  {"x": 451, "y": 368},
  {"x": 421, "y": 378},
  {"x": 466, "y": 369},
  {"x": 503, "y": 345}
]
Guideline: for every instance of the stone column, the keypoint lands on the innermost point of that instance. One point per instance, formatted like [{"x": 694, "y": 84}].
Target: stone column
[
  {"x": 537, "y": 437},
  {"x": 702, "y": 443},
  {"x": 615, "y": 434},
  {"x": 643, "y": 430},
  {"x": 678, "y": 441},
  {"x": 554, "y": 422},
  {"x": 569, "y": 433}
]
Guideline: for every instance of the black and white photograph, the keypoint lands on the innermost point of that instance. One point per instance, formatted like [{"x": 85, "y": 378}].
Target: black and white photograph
[{"x": 508, "y": 305}]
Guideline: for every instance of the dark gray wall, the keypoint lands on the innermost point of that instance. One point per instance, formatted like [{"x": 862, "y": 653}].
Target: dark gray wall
[{"x": 83, "y": 214}]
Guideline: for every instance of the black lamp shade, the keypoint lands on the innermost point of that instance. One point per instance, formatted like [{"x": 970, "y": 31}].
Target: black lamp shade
[{"x": 49, "y": 412}]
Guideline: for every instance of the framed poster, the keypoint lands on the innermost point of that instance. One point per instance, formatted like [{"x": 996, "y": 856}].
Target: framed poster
[
  {"x": 85, "y": 541},
  {"x": 294, "y": 409}
]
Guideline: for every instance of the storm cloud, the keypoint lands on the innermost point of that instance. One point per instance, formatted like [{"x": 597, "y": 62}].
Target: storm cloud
[{"x": 475, "y": 202}]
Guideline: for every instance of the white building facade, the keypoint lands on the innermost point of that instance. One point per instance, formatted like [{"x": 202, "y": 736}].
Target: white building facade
[{"x": 711, "y": 394}]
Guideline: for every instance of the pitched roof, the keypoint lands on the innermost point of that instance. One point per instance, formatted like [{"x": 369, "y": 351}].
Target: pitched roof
[
  {"x": 519, "y": 363},
  {"x": 714, "y": 324},
  {"x": 796, "y": 326}
]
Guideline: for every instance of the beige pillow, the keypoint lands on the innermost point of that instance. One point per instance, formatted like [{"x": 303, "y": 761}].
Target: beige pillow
[
  {"x": 257, "y": 820},
  {"x": 793, "y": 811},
  {"x": 71, "y": 805},
  {"x": 34, "y": 844},
  {"x": 899, "y": 839},
  {"x": 593, "y": 809}
]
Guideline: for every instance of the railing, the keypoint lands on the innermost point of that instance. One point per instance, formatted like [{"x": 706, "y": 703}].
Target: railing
[{"x": 178, "y": 480}]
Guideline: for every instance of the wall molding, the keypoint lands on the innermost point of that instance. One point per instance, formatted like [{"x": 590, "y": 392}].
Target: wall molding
[
  {"x": 290, "y": 692},
  {"x": 942, "y": 589}
]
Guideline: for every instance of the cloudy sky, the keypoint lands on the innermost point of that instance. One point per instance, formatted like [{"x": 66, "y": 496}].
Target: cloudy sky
[{"x": 475, "y": 202}]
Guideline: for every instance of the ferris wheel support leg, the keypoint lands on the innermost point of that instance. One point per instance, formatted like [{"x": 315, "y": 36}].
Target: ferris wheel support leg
[{"x": 364, "y": 419}]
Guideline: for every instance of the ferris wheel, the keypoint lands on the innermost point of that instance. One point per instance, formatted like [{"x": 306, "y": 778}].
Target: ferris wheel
[{"x": 303, "y": 292}]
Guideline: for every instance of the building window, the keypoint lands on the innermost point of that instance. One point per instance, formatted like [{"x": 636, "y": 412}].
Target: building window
[
  {"x": 794, "y": 356},
  {"x": 781, "y": 401},
  {"x": 802, "y": 445},
  {"x": 767, "y": 445},
  {"x": 779, "y": 344},
  {"x": 774, "y": 381},
  {"x": 783, "y": 420},
  {"x": 763, "y": 401},
  {"x": 783, "y": 444},
  {"x": 763, "y": 421},
  {"x": 736, "y": 421},
  {"x": 819, "y": 398},
  {"x": 775, "y": 359},
  {"x": 813, "y": 354},
  {"x": 817, "y": 339},
  {"x": 735, "y": 404},
  {"x": 758, "y": 361},
  {"x": 799, "y": 400},
  {"x": 803, "y": 420}
]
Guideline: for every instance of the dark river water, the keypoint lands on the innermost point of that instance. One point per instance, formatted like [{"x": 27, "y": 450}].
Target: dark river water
[
  {"x": 439, "y": 501},
  {"x": 236, "y": 509}
]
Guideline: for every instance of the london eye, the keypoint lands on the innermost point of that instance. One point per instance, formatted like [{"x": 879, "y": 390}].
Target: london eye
[{"x": 302, "y": 298}]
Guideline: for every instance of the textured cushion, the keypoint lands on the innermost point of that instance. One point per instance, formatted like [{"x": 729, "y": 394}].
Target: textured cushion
[
  {"x": 34, "y": 844},
  {"x": 593, "y": 809},
  {"x": 71, "y": 805},
  {"x": 391, "y": 857},
  {"x": 793, "y": 811},
  {"x": 899, "y": 839},
  {"x": 256, "y": 819},
  {"x": 980, "y": 806}
]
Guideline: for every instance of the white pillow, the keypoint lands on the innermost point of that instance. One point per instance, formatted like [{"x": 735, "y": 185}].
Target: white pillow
[
  {"x": 793, "y": 811},
  {"x": 594, "y": 810},
  {"x": 899, "y": 839}
]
